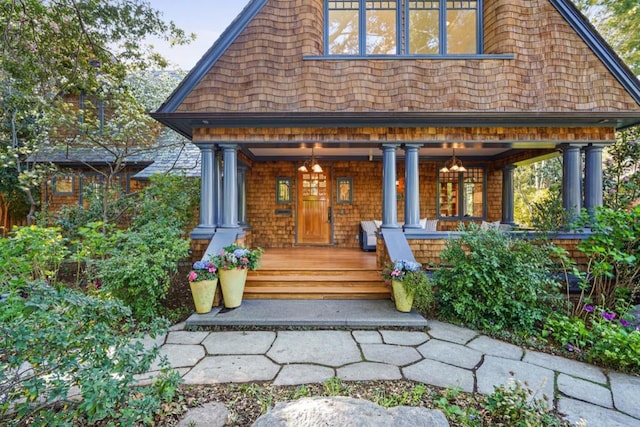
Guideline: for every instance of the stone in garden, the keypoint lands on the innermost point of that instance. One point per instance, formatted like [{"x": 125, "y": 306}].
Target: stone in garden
[
  {"x": 209, "y": 415},
  {"x": 635, "y": 313},
  {"x": 347, "y": 412}
]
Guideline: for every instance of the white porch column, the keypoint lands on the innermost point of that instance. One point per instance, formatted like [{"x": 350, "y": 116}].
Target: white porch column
[{"x": 242, "y": 195}]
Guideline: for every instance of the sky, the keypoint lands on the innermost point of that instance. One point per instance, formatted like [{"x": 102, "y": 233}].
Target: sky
[{"x": 206, "y": 18}]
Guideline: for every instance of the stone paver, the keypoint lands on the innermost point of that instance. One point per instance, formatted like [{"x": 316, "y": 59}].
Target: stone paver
[
  {"x": 148, "y": 343},
  {"x": 497, "y": 371},
  {"x": 453, "y": 354},
  {"x": 497, "y": 348},
  {"x": 391, "y": 354},
  {"x": 453, "y": 333},
  {"x": 411, "y": 338},
  {"x": 367, "y": 337},
  {"x": 232, "y": 369},
  {"x": 239, "y": 342},
  {"x": 177, "y": 327},
  {"x": 566, "y": 366},
  {"x": 179, "y": 356},
  {"x": 440, "y": 374},
  {"x": 626, "y": 393},
  {"x": 368, "y": 371},
  {"x": 594, "y": 415},
  {"x": 303, "y": 374},
  {"x": 208, "y": 415},
  {"x": 185, "y": 337},
  {"x": 331, "y": 348},
  {"x": 585, "y": 390},
  {"x": 446, "y": 356}
]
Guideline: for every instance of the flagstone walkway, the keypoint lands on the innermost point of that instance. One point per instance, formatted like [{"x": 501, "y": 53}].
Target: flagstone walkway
[{"x": 445, "y": 356}]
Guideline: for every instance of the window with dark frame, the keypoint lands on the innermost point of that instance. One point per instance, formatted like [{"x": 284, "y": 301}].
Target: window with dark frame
[
  {"x": 63, "y": 185},
  {"x": 462, "y": 195},
  {"x": 403, "y": 27}
]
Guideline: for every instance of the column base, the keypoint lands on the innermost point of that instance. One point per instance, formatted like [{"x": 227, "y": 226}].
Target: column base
[{"x": 202, "y": 232}]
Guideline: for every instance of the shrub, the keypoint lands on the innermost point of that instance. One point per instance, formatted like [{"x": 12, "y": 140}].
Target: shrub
[
  {"x": 613, "y": 250},
  {"x": 90, "y": 353},
  {"x": 515, "y": 404},
  {"x": 491, "y": 280},
  {"x": 138, "y": 268},
  {"x": 601, "y": 335},
  {"x": 42, "y": 248}
]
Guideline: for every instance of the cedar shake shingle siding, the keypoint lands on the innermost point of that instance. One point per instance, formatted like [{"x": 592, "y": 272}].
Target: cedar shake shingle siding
[{"x": 552, "y": 70}]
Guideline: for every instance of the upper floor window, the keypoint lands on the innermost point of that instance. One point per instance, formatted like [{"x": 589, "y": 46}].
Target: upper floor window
[{"x": 403, "y": 27}]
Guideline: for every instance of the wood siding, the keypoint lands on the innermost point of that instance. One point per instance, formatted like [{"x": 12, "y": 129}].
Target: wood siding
[{"x": 552, "y": 69}]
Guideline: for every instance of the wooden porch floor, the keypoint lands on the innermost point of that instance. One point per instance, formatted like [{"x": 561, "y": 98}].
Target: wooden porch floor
[{"x": 316, "y": 273}]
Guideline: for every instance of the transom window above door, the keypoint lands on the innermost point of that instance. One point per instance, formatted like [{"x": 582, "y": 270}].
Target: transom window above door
[{"x": 403, "y": 27}]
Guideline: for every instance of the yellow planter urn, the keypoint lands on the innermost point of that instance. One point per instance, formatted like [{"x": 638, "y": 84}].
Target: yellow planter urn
[
  {"x": 232, "y": 283},
  {"x": 402, "y": 298},
  {"x": 203, "y": 292}
]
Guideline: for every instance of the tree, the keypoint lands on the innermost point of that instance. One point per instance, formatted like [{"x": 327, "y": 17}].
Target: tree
[
  {"x": 619, "y": 23},
  {"x": 49, "y": 49},
  {"x": 621, "y": 176}
]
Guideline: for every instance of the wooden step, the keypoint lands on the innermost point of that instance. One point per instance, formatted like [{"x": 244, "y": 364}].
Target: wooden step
[{"x": 316, "y": 284}]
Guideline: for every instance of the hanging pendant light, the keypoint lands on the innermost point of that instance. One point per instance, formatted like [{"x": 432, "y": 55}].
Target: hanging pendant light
[
  {"x": 453, "y": 165},
  {"x": 313, "y": 164}
]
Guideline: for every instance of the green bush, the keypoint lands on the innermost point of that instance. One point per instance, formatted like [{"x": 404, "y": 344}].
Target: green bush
[
  {"x": 139, "y": 267},
  {"x": 64, "y": 345},
  {"x": 490, "y": 280},
  {"x": 601, "y": 336},
  {"x": 515, "y": 404}
]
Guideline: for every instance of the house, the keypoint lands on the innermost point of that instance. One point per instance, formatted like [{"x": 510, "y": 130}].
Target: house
[{"x": 390, "y": 98}]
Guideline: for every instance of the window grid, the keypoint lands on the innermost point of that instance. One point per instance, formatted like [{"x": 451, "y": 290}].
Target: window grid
[
  {"x": 458, "y": 196},
  {"x": 405, "y": 8}
]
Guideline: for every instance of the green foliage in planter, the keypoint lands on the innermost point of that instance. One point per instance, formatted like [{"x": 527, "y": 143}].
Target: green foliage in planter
[
  {"x": 490, "y": 280},
  {"x": 65, "y": 344},
  {"x": 601, "y": 336},
  {"x": 137, "y": 270}
]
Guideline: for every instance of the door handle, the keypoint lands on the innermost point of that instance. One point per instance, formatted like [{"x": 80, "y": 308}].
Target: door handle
[{"x": 330, "y": 215}]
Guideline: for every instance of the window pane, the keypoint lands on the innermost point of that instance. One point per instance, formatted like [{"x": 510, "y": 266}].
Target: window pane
[
  {"x": 381, "y": 28},
  {"x": 424, "y": 27},
  {"x": 449, "y": 194},
  {"x": 343, "y": 27},
  {"x": 63, "y": 184},
  {"x": 462, "y": 26},
  {"x": 473, "y": 194}
]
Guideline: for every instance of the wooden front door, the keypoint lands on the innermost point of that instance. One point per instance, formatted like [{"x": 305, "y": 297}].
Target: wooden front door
[{"x": 314, "y": 208}]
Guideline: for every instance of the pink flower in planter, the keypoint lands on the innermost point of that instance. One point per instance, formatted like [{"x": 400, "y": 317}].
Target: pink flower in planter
[{"x": 193, "y": 276}]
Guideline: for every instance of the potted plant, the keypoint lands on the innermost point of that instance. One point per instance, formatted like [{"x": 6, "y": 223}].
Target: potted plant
[
  {"x": 233, "y": 262},
  {"x": 203, "y": 280},
  {"x": 406, "y": 278}
]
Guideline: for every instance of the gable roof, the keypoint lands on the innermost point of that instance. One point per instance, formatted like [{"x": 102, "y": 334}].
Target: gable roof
[{"x": 182, "y": 118}]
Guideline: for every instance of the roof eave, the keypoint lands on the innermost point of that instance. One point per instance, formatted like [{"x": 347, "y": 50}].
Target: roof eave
[{"x": 184, "y": 123}]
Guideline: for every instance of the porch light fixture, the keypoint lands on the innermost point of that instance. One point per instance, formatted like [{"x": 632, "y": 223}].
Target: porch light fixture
[
  {"x": 313, "y": 164},
  {"x": 453, "y": 165}
]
